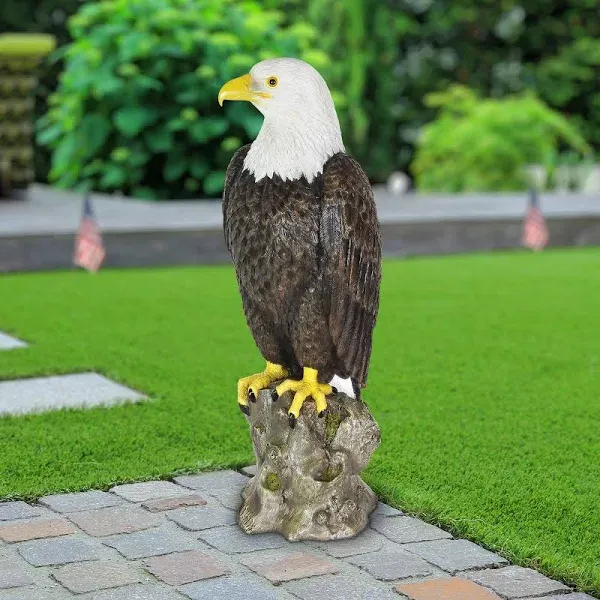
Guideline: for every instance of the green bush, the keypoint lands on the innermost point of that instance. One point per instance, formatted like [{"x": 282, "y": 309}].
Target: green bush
[
  {"x": 136, "y": 108},
  {"x": 485, "y": 144}
]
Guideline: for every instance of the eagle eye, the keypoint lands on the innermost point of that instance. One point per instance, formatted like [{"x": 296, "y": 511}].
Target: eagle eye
[{"x": 272, "y": 81}]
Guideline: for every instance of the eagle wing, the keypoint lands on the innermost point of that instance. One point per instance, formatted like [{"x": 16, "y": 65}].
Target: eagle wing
[
  {"x": 234, "y": 169},
  {"x": 351, "y": 262}
]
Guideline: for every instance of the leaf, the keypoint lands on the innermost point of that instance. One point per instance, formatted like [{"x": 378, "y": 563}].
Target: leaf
[
  {"x": 199, "y": 167},
  {"x": 214, "y": 183},
  {"x": 64, "y": 155},
  {"x": 114, "y": 177},
  {"x": 48, "y": 135},
  {"x": 159, "y": 140},
  {"x": 131, "y": 120},
  {"x": 207, "y": 129},
  {"x": 93, "y": 131},
  {"x": 145, "y": 193},
  {"x": 175, "y": 167}
]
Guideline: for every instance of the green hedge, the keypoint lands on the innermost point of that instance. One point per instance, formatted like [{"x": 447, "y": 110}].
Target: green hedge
[{"x": 136, "y": 109}]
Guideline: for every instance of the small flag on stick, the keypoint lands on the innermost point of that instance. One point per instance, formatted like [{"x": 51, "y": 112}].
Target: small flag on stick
[
  {"x": 89, "y": 249},
  {"x": 535, "y": 230}
]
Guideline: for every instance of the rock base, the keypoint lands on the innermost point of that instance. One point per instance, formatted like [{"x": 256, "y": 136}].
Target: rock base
[{"x": 308, "y": 485}]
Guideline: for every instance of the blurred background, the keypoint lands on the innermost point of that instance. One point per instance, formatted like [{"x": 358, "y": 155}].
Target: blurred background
[
  {"x": 458, "y": 105},
  {"x": 459, "y": 96}
]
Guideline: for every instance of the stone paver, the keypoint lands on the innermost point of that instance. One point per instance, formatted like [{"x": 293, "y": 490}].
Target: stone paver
[
  {"x": 293, "y": 566},
  {"x": 33, "y": 530},
  {"x": 149, "y": 490},
  {"x": 185, "y": 567},
  {"x": 408, "y": 529},
  {"x": 10, "y": 511},
  {"x": 456, "y": 555},
  {"x": 152, "y": 542},
  {"x": 80, "y": 501},
  {"x": 575, "y": 596},
  {"x": 138, "y": 592},
  {"x": 219, "y": 481},
  {"x": 20, "y": 396},
  {"x": 385, "y": 510},
  {"x": 232, "y": 588},
  {"x": 341, "y": 587},
  {"x": 367, "y": 541},
  {"x": 202, "y": 517},
  {"x": 233, "y": 540},
  {"x": 113, "y": 520},
  {"x": 250, "y": 470},
  {"x": 173, "y": 503},
  {"x": 12, "y": 575},
  {"x": 58, "y": 551},
  {"x": 8, "y": 342},
  {"x": 389, "y": 565},
  {"x": 184, "y": 535},
  {"x": 516, "y": 582},
  {"x": 90, "y": 577},
  {"x": 454, "y": 588}
]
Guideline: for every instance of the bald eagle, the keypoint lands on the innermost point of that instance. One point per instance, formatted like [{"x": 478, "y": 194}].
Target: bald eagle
[{"x": 301, "y": 226}]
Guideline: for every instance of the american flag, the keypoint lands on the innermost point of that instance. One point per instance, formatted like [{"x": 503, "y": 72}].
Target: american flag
[
  {"x": 89, "y": 249},
  {"x": 535, "y": 230}
]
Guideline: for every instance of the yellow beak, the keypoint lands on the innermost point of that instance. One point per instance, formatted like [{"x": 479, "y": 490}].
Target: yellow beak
[{"x": 239, "y": 89}]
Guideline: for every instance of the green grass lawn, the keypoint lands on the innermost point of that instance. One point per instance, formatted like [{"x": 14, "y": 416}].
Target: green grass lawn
[{"x": 485, "y": 380}]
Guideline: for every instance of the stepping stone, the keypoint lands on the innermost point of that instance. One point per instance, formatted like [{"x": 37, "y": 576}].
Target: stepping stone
[
  {"x": 8, "y": 342},
  {"x": 80, "y": 390}
]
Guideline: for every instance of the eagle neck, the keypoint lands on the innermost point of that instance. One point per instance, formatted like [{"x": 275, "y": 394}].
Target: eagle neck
[{"x": 293, "y": 147}]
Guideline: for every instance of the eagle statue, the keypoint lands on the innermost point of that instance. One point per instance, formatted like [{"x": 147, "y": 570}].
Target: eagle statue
[{"x": 301, "y": 226}]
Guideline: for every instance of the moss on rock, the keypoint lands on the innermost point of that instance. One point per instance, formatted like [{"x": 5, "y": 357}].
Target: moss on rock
[{"x": 272, "y": 482}]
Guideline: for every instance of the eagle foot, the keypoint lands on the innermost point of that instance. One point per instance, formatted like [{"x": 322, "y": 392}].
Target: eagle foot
[
  {"x": 248, "y": 387},
  {"x": 307, "y": 387}
]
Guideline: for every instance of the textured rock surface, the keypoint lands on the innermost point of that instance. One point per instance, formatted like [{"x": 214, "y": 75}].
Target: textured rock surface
[{"x": 307, "y": 485}]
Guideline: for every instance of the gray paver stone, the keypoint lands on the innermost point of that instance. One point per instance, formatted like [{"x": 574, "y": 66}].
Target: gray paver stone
[
  {"x": 58, "y": 551},
  {"x": 388, "y": 565},
  {"x": 233, "y": 540},
  {"x": 232, "y": 500},
  {"x": 81, "y": 578},
  {"x": 575, "y": 596},
  {"x": 213, "y": 482},
  {"x": 231, "y": 588},
  {"x": 164, "y": 504},
  {"x": 385, "y": 510},
  {"x": 36, "y": 593},
  {"x": 152, "y": 542},
  {"x": 10, "y": 511},
  {"x": 198, "y": 518},
  {"x": 367, "y": 541},
  {"x": 340, "y": 587},
  {"x": 13, "y": 575},
  {"x": 185, "y": 567},
  {"x": 456, "y": 555},
  {"x": 7, "y": 342},
  {"x": 138, "y": 592},
  {"x": 116, "y": 519},
  {"x": 516, "y": 582},
  {"x": 80, "y": 501},
  {"x": 408, "y": 529},
  {"x": 250, "y": 470},
  {"x": 291, "y": 566},
  {"x": 149, "y": 490}
]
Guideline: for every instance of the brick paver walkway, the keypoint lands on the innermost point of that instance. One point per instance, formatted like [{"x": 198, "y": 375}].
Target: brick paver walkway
[{"x": 162, "y": 540}]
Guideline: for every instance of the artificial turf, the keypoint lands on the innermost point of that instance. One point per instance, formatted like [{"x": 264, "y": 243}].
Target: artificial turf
[{"x": 485, "y": 380}]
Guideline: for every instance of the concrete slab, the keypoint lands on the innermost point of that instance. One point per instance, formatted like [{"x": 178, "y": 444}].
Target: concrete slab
[
  {"x": 81, "y": 390},
  {"x": 8, "y": 342}
]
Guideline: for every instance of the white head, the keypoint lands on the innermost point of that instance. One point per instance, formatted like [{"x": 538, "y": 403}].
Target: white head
[{"x": 301, "y": 130}]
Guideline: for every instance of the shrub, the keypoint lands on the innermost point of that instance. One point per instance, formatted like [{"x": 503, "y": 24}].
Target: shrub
[
  {"x": 485, "y": 144},
  {"x": 136, "y": 108}
]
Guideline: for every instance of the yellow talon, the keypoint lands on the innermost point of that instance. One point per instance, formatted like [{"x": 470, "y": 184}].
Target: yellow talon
[
  {"x": 248, "y": 387},
  {"x": 307, "y": 387}
]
